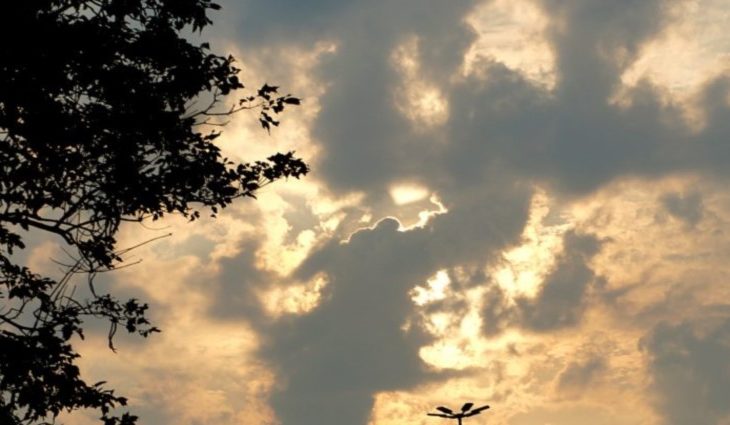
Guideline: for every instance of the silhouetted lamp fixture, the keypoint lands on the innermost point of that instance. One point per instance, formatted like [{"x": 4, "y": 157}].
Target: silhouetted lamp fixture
[{"x": 466, "y": 411}]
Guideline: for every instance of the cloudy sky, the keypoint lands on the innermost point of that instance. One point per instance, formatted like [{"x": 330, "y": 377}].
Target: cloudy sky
[{"x": 521, "y": 203}]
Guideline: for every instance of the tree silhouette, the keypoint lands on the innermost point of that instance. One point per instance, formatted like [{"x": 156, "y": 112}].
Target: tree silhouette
[{"x": 108, "y": 114}]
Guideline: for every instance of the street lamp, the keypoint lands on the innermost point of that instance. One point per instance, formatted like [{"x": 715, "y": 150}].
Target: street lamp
[{"x": 466, "y": 411}]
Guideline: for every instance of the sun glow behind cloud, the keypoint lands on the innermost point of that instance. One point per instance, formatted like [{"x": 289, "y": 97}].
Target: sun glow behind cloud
[
  {"x": 407, "y": 193},
  {"x": 421, "y": 101},
  {"x": 520, "y": 273},
  {"x": 294, "y": 299},
  {"x": 663, "y": 247},
  {"x": 434, "y": 289},
  {"x": 633, "y": 214},
  {"x": 512, "y": 32},
  {"x": 692, "y": 50},
  {"x": 695, "y": 47},
  {"x": 525, "y": 266},
  {"x": 425, "y": 215}
]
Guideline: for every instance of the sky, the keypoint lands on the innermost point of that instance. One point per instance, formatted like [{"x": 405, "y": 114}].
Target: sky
[{"x": 520, "y": 203}]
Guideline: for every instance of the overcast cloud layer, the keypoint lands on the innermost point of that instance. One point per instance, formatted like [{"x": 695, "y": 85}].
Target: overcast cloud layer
[{"x": 511, "y": 203}]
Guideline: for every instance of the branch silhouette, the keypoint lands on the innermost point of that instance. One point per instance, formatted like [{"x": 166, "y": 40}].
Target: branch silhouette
[{"x": 108, "y": 114}]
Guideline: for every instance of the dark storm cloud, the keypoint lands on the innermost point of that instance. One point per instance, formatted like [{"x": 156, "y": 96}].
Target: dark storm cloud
[{"x": 689, "y": 366}]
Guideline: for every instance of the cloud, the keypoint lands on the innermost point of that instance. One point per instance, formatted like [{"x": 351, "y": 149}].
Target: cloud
[
  {"x": 560, "y": 300},
  {"x": 395, "y": 119},
  {"x": 334, "y": 359},
  {"x": 562, "y": 297},
  {"x": 234, "y": 289},
  {"x": 578, "y": 376},
  {"x": 688, "y": 362},
  {"x": 501, "y": 132},
  {"x": 500, "y": 123},
  {"x": 366, "y": 142},
  {"x": 686, "y": 207}
]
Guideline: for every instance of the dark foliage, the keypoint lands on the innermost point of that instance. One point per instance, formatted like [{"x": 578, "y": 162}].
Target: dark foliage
[{"x": 107, "y": 114}]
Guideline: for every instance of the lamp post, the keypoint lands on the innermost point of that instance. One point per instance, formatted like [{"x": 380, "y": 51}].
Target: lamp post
[{"x": 466, "y": 411}]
